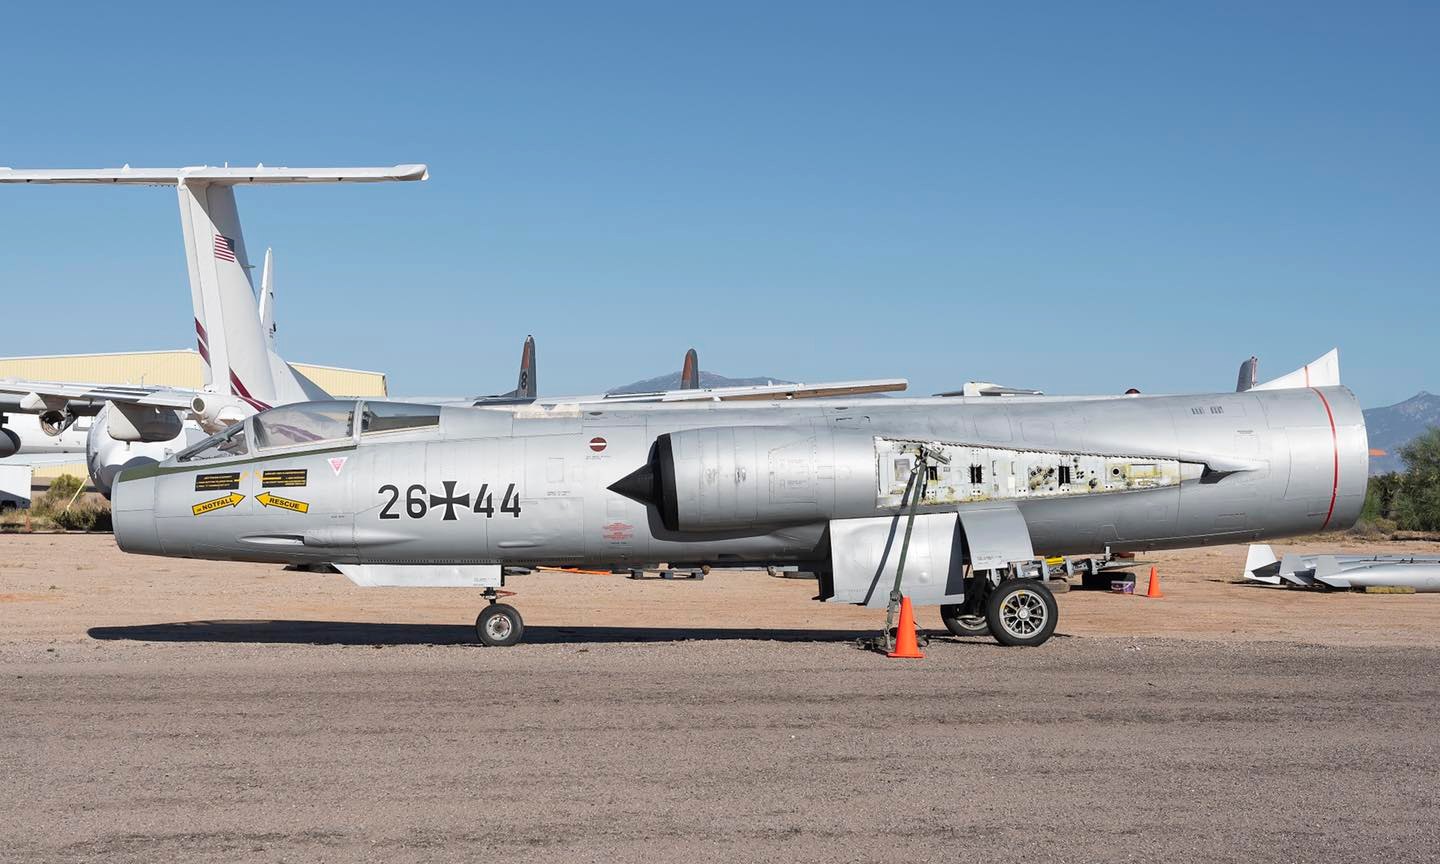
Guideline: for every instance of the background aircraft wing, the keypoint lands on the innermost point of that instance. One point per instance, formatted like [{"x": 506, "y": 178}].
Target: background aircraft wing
[
  {"x": 767, "y": 391},
  {"x": 41, "y": 395}
]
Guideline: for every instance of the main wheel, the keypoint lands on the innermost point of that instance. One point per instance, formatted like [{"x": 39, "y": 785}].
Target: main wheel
[
  {"x": 499, "y": 625},
  {"x": 1021, "y": 612},
  {"x": 963, "y": 625}
]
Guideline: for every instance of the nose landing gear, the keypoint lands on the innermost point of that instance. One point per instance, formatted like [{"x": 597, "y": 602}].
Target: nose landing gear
[{"x": 499, "y": 625}]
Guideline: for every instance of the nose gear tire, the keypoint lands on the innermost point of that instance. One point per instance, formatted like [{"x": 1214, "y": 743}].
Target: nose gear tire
[{"x": 499, "y": 625}]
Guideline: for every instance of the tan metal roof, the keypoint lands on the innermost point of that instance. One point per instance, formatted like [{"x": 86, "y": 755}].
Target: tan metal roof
[{"x": 178, "y": 368}]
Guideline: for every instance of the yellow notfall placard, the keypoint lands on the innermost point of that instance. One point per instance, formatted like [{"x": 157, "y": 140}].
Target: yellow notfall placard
[
  {"x": 268, "y": 500},
  {"x": 230, "y": 500}
]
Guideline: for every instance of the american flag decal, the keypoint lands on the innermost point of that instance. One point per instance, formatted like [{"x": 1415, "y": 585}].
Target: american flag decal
[{"x": 224, "y": 248}]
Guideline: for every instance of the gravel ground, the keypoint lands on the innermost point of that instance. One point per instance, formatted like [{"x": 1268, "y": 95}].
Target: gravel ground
[{"x": 721, "y": 749}]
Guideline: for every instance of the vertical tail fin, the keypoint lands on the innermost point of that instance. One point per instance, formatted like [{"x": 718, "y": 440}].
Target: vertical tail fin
[
  {"x": 224, "y": 298},
  {"x": 690, "y": 371},
  {"x": 525, "y": 387},
  {"x": 267, "y": 299},
  {"x": 1248, "y": 371}
]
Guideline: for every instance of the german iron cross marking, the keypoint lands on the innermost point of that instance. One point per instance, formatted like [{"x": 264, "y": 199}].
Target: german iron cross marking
[{"x": 450, "y": 500}]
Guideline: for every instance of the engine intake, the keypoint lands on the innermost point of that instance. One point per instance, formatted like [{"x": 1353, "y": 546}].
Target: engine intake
[
  {"x": 728, "y": 477},
  {"x": 215, "y": 412},
  {"x": 53, "y": 422}
]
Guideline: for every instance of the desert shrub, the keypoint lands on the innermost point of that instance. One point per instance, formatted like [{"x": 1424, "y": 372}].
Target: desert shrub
[
  {"x": 80, "y": 517},
  {"x": 1381, "y": 493},
  {"x": 60, "y": 493},
  {"x": 61, "y": 507},
  {"x": 1417, "y": 504}
]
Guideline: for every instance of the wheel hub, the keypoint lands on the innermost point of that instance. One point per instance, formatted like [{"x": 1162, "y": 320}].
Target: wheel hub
[
  {"x": 1023, "y": 613},
  {"x": 498, "y": 627}
]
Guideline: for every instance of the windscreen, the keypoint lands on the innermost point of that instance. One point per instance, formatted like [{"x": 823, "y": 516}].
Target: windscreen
[
  {"x": 222, "y": 445},
  {"x": 304, "y": 423}
]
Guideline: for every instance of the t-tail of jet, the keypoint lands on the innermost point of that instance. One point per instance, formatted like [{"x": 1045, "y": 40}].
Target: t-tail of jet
[
  {"x": 234, "y": 331},
  {"x": 228, "y": 324}
]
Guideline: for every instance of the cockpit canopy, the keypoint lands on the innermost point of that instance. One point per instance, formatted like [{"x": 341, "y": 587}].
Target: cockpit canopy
[{"x": 306, "y": 424}]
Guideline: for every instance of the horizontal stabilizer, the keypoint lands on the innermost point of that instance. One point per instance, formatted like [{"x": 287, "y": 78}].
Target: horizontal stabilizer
[
  {"x": 224, "y": 176},
  {"x": 1324, "y": 372}
]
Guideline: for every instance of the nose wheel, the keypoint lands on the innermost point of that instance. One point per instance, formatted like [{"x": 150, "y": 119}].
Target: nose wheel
[{"x": 499, "y": 625}]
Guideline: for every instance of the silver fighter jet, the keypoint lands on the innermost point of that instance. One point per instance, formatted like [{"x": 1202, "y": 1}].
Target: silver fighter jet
[{"x": 967, "y": 491}]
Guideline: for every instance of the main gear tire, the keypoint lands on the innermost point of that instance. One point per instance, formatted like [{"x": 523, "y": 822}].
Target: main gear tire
[
  {"x": 963, "y": 625},
  {"x": 1021, "y": 612}
]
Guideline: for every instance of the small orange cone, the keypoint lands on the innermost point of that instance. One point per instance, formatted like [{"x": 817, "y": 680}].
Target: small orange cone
[
  {"x": 1154, "y": 589},
  {"x": 905, "y": 645}
]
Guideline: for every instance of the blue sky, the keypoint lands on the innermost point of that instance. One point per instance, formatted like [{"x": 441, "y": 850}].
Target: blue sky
[{"x": 1077, "y": 197}]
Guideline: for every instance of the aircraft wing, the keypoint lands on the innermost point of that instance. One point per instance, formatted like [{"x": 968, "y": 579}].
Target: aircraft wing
[
  {"x": 44, "y": 460},
  {"x": 760, "y": 392},
  {"x": 41, "y": 395}
]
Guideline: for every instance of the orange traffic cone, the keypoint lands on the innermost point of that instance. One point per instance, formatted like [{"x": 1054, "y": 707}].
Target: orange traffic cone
[
  {"x": 905, "y": 645},
  {"x": 1154, "y": 589}
]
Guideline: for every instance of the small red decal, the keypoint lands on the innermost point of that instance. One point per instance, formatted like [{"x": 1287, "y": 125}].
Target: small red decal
[
  {"x": 598, "y": 444},
  {"x": 618, "y": 531}
]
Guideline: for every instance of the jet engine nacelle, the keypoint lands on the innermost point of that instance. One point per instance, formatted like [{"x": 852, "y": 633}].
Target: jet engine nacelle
[
  {"x": 55, "y": 421},
  {"x": 735, "y": 477},
  {"x": 106, "y": 456},
  {"x": 9, "y": 442},
  {"x": 140, "y": 423},
  {"x": 215, "y": 412}
]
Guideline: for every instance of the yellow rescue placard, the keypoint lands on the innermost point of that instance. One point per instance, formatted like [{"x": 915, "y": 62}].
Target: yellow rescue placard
[
  {"x": 268, "y": 500},
  {"x": 231, "y": 500}
]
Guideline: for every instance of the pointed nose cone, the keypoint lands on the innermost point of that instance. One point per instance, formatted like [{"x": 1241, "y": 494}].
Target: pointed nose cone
[{"x": 638, "y": 485}]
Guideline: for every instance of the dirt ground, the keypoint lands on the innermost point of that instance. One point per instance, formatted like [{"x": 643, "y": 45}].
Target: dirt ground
[
  {"x": 155, "y": 710},
  {"x": 61, "y": 587}
]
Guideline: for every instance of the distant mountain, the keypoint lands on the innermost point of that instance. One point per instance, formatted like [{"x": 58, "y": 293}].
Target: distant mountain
[
  {"x": 1395, "y": 426},
  {"x": 707, "y": 379}
]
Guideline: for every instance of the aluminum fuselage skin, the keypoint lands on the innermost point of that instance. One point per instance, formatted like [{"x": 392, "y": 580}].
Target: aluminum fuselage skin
[{"x": 534, "y": 481}]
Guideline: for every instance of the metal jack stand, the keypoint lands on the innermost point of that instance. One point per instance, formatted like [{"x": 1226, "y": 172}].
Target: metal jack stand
[{"x": 914, "y": 492}]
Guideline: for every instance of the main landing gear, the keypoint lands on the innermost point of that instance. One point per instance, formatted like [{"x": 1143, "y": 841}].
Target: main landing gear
[
  {"x": 1015, "y": 612},
  {"x": 499, "y": 625}
]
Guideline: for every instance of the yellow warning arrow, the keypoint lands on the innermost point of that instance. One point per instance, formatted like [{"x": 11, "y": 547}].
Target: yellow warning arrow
[
  {"x": 268, "y": 500},
  {"x": 231, "y": 500}
]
